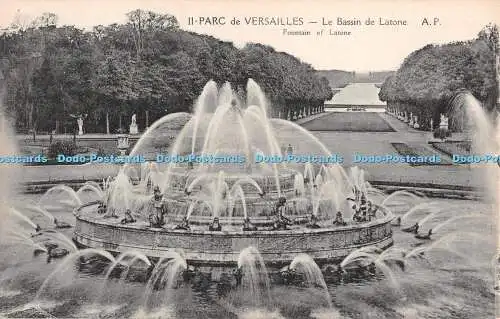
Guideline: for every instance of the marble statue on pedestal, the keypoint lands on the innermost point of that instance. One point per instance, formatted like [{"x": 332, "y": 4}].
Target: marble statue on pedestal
[
  {"x": 415, "y": 123},
  {"x": 133, "y": 126}
]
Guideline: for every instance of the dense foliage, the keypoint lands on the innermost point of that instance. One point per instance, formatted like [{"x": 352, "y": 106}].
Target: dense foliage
[
  {"x": 146, "y": 66},
  {"x": 430, "y": 77}
]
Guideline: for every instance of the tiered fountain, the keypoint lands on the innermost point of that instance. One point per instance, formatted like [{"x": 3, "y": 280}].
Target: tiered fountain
[{"x": 213, "y": 211}]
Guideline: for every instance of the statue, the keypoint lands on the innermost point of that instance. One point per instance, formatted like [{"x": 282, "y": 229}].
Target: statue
[
  {"x": 101, "y": 208},
  {"x": 184, "y": 225},
  {"x": 313, "y": 223},
  {"x": 79, "y": 120},
  {"x": 412, "y": 229},
  {"x": 357, "y": 215},
  {"x": 80, "y": 125},
  {"x": 443, "y": 122},
  {"x": 248, "y": 226},
  {"x": 282, "y": 221},
  {"x": 60, "y": 224},
  {"x": 133, "y": 126},
  {"x": 128, "y": 217},
  {"x": 372, "y": 211},
  {"x": 415, "y": 123},
  {"x": 339, "y": 220},
  {"x": 363, "y": 208}
]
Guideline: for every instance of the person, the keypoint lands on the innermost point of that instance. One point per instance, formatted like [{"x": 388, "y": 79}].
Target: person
[
  {"x": 289, "y": 149},
  {"x": 215, "y": 226},
  {"x": 128, "y": 217},
  {"x": 339, "y": 219},
  {"x": 248, "y": 226}
]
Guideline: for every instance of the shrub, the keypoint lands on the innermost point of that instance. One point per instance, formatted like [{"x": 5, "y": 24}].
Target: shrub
[{"x": 62, "y": 147}]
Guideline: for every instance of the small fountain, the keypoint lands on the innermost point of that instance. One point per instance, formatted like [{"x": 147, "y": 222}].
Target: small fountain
[{"x": 253, "y": 279}]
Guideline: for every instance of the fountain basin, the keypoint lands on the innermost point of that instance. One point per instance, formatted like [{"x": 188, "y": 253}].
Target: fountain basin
[{"x": 222, "y": 248}]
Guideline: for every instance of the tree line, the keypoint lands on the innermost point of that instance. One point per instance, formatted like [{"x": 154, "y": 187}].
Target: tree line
[
  {"x": 429, "y": 78},
  {"x": 147, "y": 66}
]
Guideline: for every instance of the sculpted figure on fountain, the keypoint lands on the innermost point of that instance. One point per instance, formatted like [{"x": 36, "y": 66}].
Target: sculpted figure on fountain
[
  {"x": 101, "y": 208},
  {"x": 248, "y": 226},
  {"x": 372, "y": 211},
  {"x": 313, "y": 222},
  {"x": 363, "y": 207},
  {"x": 282, "y": 221},
  {"x": 357, "y": 217},
  {"x": 184, "y": 225},
  {"x": 128, "y": 217},
  {"x": 149, "y": 186}
]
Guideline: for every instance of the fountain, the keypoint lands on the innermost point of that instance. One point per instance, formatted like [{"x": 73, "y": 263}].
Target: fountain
[
  {"x": 214, "y": 208},
  {"x": 184, "y": 228}
]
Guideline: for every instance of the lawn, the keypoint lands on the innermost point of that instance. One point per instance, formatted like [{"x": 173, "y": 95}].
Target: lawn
[{"x": 349, "y": 121}]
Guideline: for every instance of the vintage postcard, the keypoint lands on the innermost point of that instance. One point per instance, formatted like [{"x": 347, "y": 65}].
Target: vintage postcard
[{"x": 249, "y": 159}]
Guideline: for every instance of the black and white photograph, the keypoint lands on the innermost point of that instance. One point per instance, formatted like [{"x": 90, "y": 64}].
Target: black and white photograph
[{"x": 219, "y": 159}]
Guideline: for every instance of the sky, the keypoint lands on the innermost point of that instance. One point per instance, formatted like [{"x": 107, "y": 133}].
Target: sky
[{"x": 367, "y": 48}]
